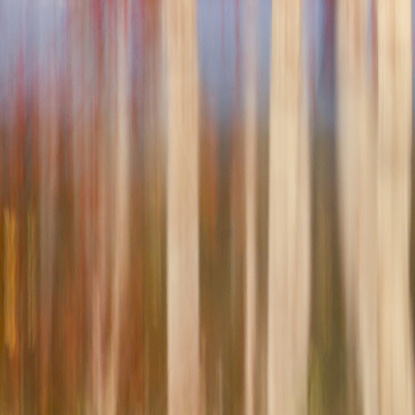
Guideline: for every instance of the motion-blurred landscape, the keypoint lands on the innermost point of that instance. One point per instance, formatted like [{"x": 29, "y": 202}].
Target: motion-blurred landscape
[{"x": 206, "y": 207}]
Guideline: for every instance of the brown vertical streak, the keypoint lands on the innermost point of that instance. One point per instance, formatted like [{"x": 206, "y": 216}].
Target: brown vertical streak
[
  {"x": 250, "y": 204},
  {"x": 154, "y": 282},
  {"x": 99, "y": 210},
  {"x": 48, "y": 182}
]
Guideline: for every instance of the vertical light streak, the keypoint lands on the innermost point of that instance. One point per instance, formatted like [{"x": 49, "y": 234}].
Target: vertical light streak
[
  {"x": 394, "y": 140},
  {"x": 121, "y": 165},
  {"x": 289, "y": 217},
  {"x": 180, "y": 39},
  {"x": 357, "y": 175}
]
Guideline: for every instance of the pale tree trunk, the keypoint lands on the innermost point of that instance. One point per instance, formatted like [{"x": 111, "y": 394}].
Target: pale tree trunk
[
  {"x": 121, "y": 163},
  {"x": 393, "y": 213},
  {"x": 375, "y": 200},
  {"x": 180, "y": 42},
  {"x": 289, "y": 218},
  {"x": 251, "y": 155},
  {"x": 357, "y": 173}
]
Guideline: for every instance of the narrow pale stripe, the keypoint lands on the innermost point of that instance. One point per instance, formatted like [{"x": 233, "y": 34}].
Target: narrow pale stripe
[
  {"x": 357, "y": 173},
  {"x": 121, "y": 165},
  {"x": 180, "y": 43},
  {"x": 289, "y": 217}
]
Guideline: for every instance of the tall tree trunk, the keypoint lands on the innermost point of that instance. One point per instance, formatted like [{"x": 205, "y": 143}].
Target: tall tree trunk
[
  {"x": 289, "y": 218},
  {"x": 357, "y": 170},
  {"x": 375, "y": 200},
  {"x": 180, "y": 39},
  {"x": 393, "y": 214}
]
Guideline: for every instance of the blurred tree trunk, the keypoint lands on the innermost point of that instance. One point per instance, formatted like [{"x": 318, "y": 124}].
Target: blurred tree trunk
[
  {"x": 48, "y": 126},
  {"x": 327, "y": 366},
  {"x": 234, "y": 316},
  {"x": 154, "y": 281},
  {"x": 99, "y": 188},
  {"x": 393, "y": 214},
  {"x": 375, "y": 199},
  {"x": 180, "y": 41},
  {"x": 251, "y": 200},
  {"x": 357, "y": 178},
  {"x": 121, "y": 166},
  {"x": 132, "y": 337},
  {"x": 209, "y": 313},
  {"x": 76, "y": 304},
  {"x": 289, "y": 217}
]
